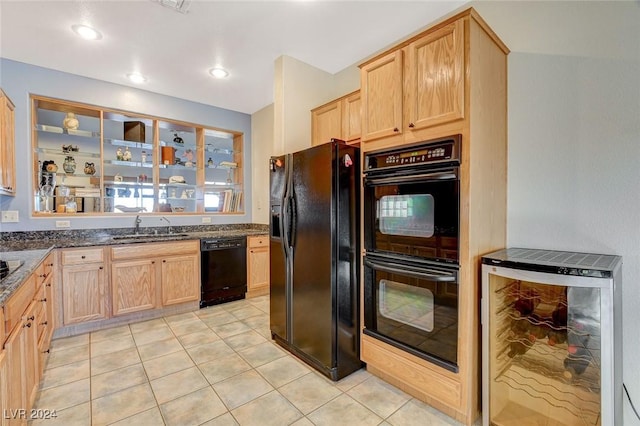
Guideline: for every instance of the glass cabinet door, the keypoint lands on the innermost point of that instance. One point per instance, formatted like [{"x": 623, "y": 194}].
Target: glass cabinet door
[
  {"x": 222, "y": 178},
  {"x": 177, "y": 168},
  {"x": 67, "y": 168},
  {"x": 128, "y": 153}
]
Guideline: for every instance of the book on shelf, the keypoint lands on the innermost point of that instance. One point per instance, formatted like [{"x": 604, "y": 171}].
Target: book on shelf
[{"x": 232, "y": 201}]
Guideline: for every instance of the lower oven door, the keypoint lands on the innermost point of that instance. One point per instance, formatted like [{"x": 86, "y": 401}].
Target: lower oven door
[{"x": 414, "y": 307}]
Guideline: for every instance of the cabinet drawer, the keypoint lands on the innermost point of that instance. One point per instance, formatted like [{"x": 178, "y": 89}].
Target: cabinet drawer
[
  {"x": 81, "y": 256},
  {"x": 18, "y": 303},
  {"x": 44, "y": 270},
  {"x": 147, "y": 250},
  {"x": 258, "y": 241}
]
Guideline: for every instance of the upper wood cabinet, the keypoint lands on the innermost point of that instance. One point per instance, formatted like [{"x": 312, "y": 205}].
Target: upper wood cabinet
[
  {"x": 7, "y": 146},
  {"x": 338, "y": 119},
  {"x": 418, "y": 85}
]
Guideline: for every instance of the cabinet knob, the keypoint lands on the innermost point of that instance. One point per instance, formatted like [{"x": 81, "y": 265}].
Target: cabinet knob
[
  {"x": 48, "y": 285},
  {"x": 164, "y": 261},
  {"x": 396, "y": 130},
  {"x": 101, "y": 267},
  {"x": 50, "y": 264},
  {"x": 27, "y": 324},
  {"x": 83, "y": 257},
  {"x": 153, "y": 262},
  {"x": 412, "y": 125}
]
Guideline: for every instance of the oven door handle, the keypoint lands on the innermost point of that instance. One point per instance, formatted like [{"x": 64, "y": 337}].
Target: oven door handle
[
  {"x": 411, "y": 178},
  {"x": 429, "y": 274}
]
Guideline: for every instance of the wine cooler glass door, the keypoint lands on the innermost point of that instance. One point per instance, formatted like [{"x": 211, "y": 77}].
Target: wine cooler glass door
[{"x": 544, "y": 349}]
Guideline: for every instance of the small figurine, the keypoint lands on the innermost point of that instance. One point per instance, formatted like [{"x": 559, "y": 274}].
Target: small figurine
[
  {"x": 119, "y": 154},
  {"x": 189, "y": 156},
  {"x": 177, "y": 139},
  {"x": 143, "y": 155},
  {"x": 70, "y": 122},
  {"x": 127, "y": 154},
  {"x": 89, "y": 168},
  {"x": 210, "y": 162}
]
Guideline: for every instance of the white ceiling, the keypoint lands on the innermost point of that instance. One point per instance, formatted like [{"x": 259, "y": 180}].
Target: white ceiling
[{"x": 175, "y": 51}]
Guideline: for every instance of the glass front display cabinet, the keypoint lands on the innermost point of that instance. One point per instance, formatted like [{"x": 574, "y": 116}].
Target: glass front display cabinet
[
  {"x": 552, "y": 344},
  {"x": 95, "y": 160}
]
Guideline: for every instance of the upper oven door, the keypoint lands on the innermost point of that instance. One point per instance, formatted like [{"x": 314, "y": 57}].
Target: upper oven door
[{"x": 413, "y": 213}]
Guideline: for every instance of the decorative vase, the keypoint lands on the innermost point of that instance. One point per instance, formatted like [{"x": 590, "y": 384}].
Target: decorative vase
[
  {"x": 70, "y": 122},
  {"x": 89, "y": 168},
  {"x": 177, "y": 139},
  {"x": 69, "y": 165}
]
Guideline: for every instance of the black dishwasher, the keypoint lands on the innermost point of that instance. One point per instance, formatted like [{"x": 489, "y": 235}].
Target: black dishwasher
[{"x": 223, "y": 270}]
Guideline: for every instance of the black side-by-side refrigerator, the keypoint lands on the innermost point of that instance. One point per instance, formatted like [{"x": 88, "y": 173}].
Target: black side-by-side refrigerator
[{"x": 314, "y": 246}]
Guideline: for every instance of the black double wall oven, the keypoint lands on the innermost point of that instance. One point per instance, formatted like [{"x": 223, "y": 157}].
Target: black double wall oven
[{"x": 411, "y": 263}]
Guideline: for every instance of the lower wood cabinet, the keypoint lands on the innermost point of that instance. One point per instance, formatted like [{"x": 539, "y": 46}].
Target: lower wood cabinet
[
  {"x": 257, "y": 265},
  {"x": 3, "y": 385},
  {"x": 180, "y": 279},
  {"x": 84, "y": 293},
  {"x": 133, "y": 286}
]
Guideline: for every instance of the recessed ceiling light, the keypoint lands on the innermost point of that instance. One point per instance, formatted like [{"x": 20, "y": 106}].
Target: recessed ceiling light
[
  {"x": 219, "y": 72},
  {"x": 86, "y": 32},
  {"x": 136, "y": 77}
]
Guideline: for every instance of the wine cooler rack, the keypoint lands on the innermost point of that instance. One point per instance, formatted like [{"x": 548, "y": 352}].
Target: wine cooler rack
[{"x": 547, "y": 358}]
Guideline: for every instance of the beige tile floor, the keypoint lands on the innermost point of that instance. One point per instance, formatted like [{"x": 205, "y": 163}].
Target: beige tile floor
[{"x": 216, "y": 366}]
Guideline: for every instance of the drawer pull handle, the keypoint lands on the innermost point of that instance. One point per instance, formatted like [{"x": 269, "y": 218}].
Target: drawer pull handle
[
  {"x": 83, "y": 257},
  {"x": 28, "y": 324},
  {"x": 43, "y": 300},
  {"x": 396, "y": 130},
  {"x": 47, "y": 351},
  {"x": 48, "y": 285},
  {"x": 50, "y": 264},
  {"x": 100, "y": 267},
  {"x": 43, "y": 275},
  {"x": 44, "y": 323},
  {"x": 31, "y": 318}
]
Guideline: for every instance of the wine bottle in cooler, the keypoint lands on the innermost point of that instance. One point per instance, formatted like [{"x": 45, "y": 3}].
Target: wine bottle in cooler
[
  {"x": 558, "y": 333},
  {"x": 578, "y": 354}
]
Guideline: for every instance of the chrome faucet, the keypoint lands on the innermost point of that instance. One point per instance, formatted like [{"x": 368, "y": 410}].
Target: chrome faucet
[
  {"x": 136, "y": 229},
  {"x": 169, "y": 230}
]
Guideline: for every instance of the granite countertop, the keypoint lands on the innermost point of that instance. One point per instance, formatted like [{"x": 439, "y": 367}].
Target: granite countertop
[{"x": 32, "y": 247}]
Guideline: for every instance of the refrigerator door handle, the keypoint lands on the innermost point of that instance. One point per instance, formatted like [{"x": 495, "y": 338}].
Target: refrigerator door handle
[
  {"x": 428, "y": 274},
  {"x": 294, "y": 220}
]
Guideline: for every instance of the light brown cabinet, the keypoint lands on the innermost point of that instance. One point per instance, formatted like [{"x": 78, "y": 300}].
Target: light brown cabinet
[
  {"x": 180, "y": 279},
  {"x": 3, "y": 384},
  {"x": 339, "y": 119},
  {"x": 133, "y": 286},
  {"x": 257, "y": 265},
  {"x": 84, "y": 285},
  {"x": 21, "y": 366},
  {"x": 417, "y": 86},
  {"x": 449, "y": 80},
  {"x": 7, "y": 146},
  {"x": 144, "y": 273}
]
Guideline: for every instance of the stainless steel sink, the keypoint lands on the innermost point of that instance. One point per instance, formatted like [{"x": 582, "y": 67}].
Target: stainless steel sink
[{"x": 145, "y": 236}]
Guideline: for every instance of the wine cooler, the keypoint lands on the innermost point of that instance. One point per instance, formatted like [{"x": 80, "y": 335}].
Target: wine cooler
[{"x": 552, "y": 338}]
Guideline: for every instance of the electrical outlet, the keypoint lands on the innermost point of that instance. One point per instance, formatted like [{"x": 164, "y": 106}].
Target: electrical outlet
[
  {"x": 206, "y": 219},
  {"x": 63, "y": 224},
  {"x": 10, "y": 216}
]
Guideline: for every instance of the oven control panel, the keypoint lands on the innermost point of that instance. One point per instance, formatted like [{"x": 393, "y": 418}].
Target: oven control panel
[{"x": 442, "y": 150}]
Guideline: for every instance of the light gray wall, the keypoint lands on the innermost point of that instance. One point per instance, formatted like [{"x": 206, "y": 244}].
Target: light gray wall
[{"x": 19, "y": 80}]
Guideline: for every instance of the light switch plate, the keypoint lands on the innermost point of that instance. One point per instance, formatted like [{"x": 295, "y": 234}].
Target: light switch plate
[
  {"x": 10, "y": 216},
  {"x": 206, "y": 220},
  {"x": 63, "y": 224}
]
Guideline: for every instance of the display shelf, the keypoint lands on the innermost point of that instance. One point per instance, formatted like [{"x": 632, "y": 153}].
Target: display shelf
[
  {"x": 130, "y": 144},
  {"x": 106, "y": 136},
  {"x": 59, "y": 130}
]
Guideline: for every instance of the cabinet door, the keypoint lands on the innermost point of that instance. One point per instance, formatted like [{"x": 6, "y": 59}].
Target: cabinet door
[
  {"x": 3, "y": 387},
  {"x": 352, "y": 117},
  {"x": 83, "y": 293},
  {"x": 180, "y": 279},
  {"x": 133, "y": 286},
  {"x": 258, "y": 271},
  {"x": 381, "y": 91},
  {"x": 30, "y": 356},
  {"x": 16, "y": 395},
  {"x": 7, "y": 147},
  {"x": 435, "y": 78},
  {"x": 326, "y": 123}
]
